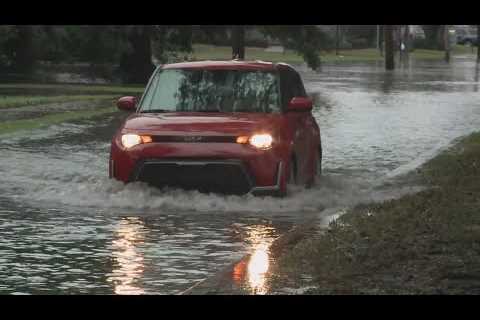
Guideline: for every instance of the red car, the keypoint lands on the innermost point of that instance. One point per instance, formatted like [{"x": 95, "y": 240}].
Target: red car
[{"x": 219, "y": 126}]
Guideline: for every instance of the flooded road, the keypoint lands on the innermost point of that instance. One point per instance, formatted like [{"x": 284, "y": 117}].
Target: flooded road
[{"x": 66, "y": 228}]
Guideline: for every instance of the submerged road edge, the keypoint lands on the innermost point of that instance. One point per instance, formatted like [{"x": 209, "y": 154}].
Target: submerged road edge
[{"x": 223, "y": 283}]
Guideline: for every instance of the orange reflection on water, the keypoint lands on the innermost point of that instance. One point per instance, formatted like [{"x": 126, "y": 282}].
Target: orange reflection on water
[
  {"x": 258, "y": 267},
  {"x": 253, "y": 272},
  {"x": 130, "y": 261}
]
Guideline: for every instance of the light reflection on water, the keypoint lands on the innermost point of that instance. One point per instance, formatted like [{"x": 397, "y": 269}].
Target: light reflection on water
[
  {"x": 258, "y": 267},
  {"x": 129, "y": 259},
  {"x": 252, "y": 273}
]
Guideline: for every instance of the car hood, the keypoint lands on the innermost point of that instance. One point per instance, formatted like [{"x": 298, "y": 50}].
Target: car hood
[{"x": 201, "y": 123}]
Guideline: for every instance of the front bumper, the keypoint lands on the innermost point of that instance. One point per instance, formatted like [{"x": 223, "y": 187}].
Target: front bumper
[
  {"x": 218, "y": 167},
  {"x": 228, "y": 176}
]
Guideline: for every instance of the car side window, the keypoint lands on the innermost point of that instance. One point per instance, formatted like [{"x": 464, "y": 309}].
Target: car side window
[
  {"x": 286, "y": 87},
  {"x": 291, "y": 86},
  {"x": 298, "y": 85}
]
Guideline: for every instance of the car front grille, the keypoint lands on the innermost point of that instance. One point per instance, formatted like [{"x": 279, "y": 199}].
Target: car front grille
[
  {"x": 229, "y": 176},
  {"x": 196, "y": 139}
]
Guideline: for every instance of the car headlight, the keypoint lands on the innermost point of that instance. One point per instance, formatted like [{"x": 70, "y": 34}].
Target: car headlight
[
  {"x": 260, "y": 141},
  {"x": 130, "y": 140}
]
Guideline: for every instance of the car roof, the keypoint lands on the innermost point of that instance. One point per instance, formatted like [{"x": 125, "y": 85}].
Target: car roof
[{"x": 227, "y": 64}]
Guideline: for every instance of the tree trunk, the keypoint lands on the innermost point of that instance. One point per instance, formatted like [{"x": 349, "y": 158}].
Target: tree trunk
[
  {"x": 337, "y": 39},
  {"x": 433, "y": 36},
  {"x": 137, "y": 64},
  {"x": 238, "y": 42},
  {"x": 381, "y": 39},
  {"x": 446, "y": 44},
  {"x": 406, "y": 39},
  {"x": 389, "y": 48},
  {"x": 25, "y": 57},
  {"x": 441, "y": 37}
]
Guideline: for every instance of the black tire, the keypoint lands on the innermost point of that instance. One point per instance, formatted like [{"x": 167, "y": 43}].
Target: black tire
[
  {"x": 291, "y": 176},
  {"x": 318, "y": 172},
  {"x": 319, "y": 162},
  {"x": 292, "y": 172}
]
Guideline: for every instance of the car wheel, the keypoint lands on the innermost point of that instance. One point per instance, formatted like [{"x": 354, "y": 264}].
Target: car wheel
[
  {"x": 319, "y": 162},
  {"x": 318, "y": 170},
  {"x": 289, "y": 178},
  {"x": 292, "y": 172}
]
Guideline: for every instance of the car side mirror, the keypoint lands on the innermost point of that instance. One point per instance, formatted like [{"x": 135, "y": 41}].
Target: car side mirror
[
  {"x": 300, "y": 104},
  {"x": 127, "y": 103}
]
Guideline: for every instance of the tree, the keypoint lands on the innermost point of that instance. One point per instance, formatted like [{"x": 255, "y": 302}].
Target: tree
[
  {"x": 361, "y": 36},
  {"x": 306, "y": 40},
  {"x": 7, "y": 33},
  {"x": 136, "y": 61},
  {"x": 19, "y": 51},
  {"x": 434, "y": 36},
  {"x": 389, "y": 47},
  {"x": 162, "y": 42},
  {"x": 169, "y": 41}
]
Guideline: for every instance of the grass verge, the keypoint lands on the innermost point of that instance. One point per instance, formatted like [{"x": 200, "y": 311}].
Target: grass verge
[
  {"x": 36, "y": 123},
  {"x": 425, "y": 243},
  {"x": 22, "y": 101},
  {"x": 74, "y": 88}
]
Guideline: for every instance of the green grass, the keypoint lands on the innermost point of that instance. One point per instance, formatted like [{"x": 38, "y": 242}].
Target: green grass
[
  {"x": 458, "y": 49},
  {"x": 425, "y": 243},
  {"x": 75, "y": 88},
  {"x": 209, "y": 52},
  {"x": 21, "y": 101},
  {"x": 45, "y": 121}
]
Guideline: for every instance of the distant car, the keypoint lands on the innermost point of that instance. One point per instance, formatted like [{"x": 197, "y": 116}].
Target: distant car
[
  {"x": 468, "y": 40},
  {"x": 219, "y": 126}
]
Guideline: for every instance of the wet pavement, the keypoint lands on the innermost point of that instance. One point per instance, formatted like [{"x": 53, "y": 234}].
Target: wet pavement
[{"x": 66, "y": 228}]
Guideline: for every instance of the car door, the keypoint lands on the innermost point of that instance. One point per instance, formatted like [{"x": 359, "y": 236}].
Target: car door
[
  {"x": 311, "y": 137},
  {"x": 292, "y": 86}
]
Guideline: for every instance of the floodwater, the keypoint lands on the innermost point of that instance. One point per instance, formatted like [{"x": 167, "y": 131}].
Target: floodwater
[{"x": 66, "y": 228}]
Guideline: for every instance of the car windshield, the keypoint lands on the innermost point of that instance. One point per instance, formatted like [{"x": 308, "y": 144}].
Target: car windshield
[{"x": 190, "y": 90}]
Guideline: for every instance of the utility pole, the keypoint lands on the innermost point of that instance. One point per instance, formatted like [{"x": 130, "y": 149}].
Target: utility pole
[
  {"x": 378, "y": 36},
  {"x": 389, "y": 47}
]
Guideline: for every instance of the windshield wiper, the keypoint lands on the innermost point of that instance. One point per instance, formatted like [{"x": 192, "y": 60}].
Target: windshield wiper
[
  {"x": 245, "y": 110},
  {"x": 155, "y": 111},
  {"x": 209, "y": 110}
]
